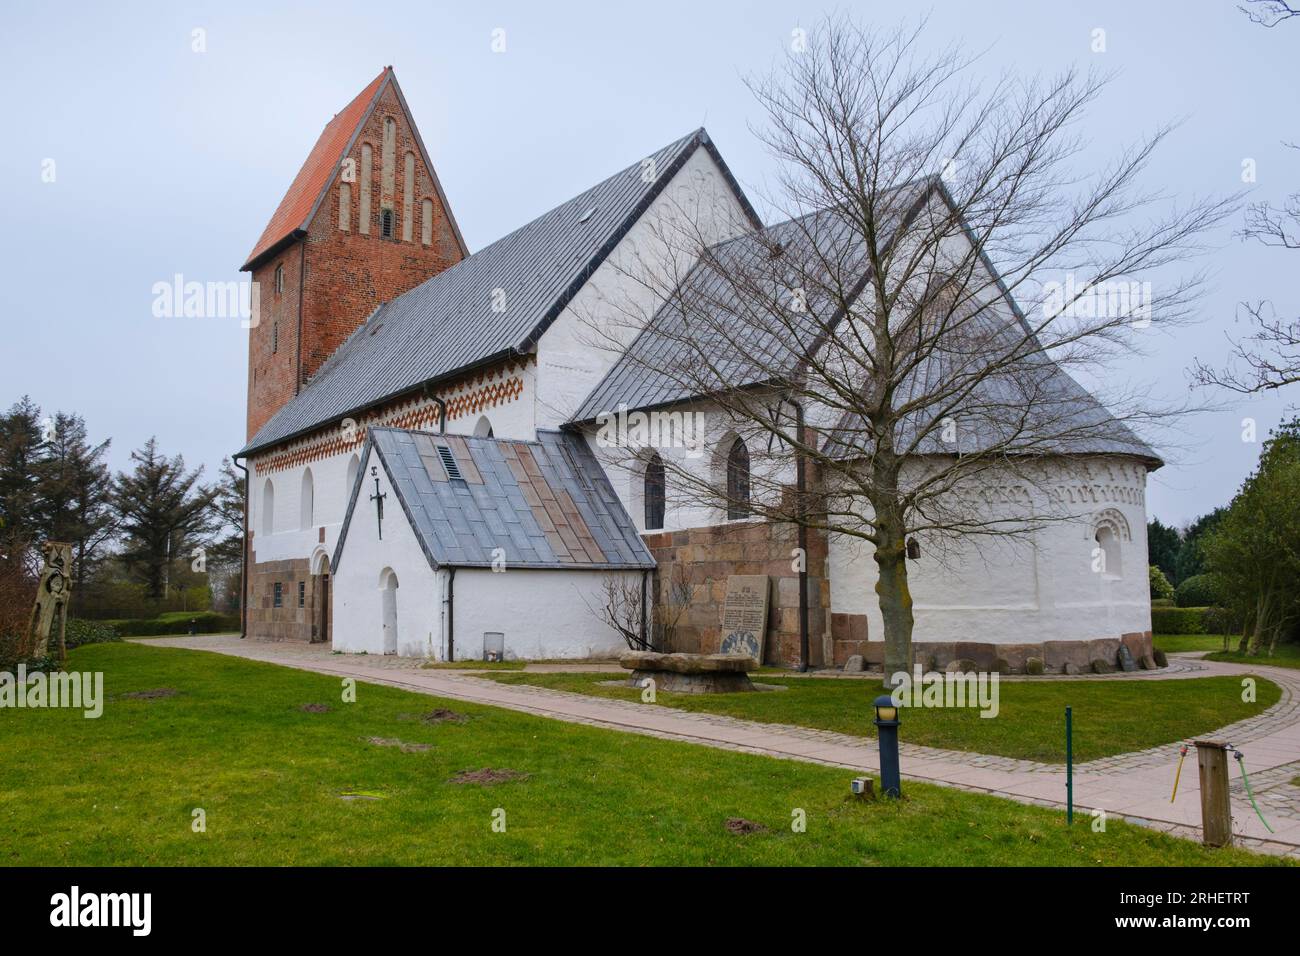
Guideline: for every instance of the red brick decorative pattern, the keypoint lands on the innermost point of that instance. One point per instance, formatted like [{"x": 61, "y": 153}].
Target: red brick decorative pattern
[{"x": 482, "y": 391}]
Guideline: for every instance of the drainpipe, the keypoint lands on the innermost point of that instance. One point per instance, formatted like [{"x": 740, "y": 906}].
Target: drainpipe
[
  {"x": 450, "y": 603},
  {"x": 243, "y": 557},
  {"x": 442, "y": 409}
]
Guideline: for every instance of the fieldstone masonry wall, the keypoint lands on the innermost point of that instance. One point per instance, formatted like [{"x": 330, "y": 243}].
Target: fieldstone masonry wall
[
  {"x": 289, "y": 622},
  {"x": 708, "y": 555}
]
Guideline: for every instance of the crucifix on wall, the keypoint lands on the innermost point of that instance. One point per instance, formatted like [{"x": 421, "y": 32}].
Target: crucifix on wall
[{"x": 378, "y": 499}]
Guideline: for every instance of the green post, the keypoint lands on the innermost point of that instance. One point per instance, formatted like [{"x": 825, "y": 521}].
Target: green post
[{"x": 1069, "y": 766}]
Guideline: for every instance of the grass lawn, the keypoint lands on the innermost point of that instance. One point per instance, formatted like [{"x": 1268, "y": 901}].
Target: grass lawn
[
  {"x": 182, "y": 633},
  {"x": 474, "y": 665},
  {"x": 1286, "y": 655},
  {"x": 232, "y": 738},
  {"x": 1110, "y": 717},
  {"x": 1173, "y": 643}
]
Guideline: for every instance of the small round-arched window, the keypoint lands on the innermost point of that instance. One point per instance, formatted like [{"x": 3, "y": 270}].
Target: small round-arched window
[
  {"x": 307, "y": 502},
  {"x": 1109, "y": 531},
  {"x": 655, "y": 493},
  {"x": 268, "y": 508},
  {"x": 738, "y": 480},
  {"x": 354, "y": 463},
  {"x": 1107, "y": 558}
]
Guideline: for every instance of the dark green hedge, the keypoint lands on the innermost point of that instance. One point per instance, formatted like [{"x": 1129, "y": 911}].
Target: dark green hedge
[
  {"x": 1200, "y": 590},
  {"x": 81, "y": 632},
  {"x": 205, "y": 622},
  {"x": 1178, "y": 620}
]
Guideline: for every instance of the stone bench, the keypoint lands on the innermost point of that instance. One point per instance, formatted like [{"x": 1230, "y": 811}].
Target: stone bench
[{"x": 691, "y": 673}]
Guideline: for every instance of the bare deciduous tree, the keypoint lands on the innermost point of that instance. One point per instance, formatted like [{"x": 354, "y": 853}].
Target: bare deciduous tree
[
  {"x": 622, "y": 606},
  {"x": 1269, "y": 357},
  {"x": 674, "y": 599},
  {"x": 869, "y": 349},
  {"x": 1269, "y": 13}
]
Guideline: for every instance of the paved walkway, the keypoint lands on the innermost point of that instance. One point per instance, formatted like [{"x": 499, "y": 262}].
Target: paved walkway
[{"x": 1132, "y": 786}]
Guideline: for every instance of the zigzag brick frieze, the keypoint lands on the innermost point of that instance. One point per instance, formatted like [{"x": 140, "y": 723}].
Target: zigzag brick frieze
[{"x": 477, "y": 393}]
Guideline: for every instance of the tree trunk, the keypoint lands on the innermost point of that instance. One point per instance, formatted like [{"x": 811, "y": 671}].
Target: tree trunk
[
  {"x": 894, "y": 594},
  {"x": 1263, "y": 619}
]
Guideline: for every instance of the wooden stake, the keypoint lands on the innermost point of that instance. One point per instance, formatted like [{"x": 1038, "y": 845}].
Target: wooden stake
[{"x": 1216, "y": 809}]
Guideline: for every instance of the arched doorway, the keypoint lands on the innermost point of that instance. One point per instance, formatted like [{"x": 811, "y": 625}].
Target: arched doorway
[
  {"x": 320, "y": 599},
  {"x": 388, "y": 588}
]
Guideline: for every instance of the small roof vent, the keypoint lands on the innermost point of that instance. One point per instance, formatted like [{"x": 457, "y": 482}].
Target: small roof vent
[
  {"x": 449, "y": 463},
  {"x": 588, "y": 214}
]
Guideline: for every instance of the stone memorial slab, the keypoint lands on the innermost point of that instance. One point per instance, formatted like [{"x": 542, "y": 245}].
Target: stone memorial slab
[
  {"x": 1126, "y": 662},
  {"x": 744, "y": 615}
]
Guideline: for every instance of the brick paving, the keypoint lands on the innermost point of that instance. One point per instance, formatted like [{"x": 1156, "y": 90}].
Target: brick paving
[{"x": 1134, "y": 786}]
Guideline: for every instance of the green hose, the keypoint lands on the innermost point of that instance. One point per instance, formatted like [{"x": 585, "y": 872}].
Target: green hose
[{"x": 1250, "y": 793}]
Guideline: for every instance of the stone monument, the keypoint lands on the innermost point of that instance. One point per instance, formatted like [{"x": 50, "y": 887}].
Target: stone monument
[
  {"x": 690, "y": 673},
  {"x": 49, "y": 612},
  {"x": 744, "y": 616}
]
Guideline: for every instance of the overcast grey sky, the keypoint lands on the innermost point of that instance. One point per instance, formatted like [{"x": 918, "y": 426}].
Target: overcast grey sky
[{"x": 170, "y": 161}]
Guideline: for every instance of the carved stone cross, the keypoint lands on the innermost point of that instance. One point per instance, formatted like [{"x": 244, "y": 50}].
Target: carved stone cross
[{"x": 50, "y": 610}]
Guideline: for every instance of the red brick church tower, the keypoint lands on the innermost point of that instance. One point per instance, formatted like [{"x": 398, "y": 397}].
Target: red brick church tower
[{"x": 364, "y": 220}]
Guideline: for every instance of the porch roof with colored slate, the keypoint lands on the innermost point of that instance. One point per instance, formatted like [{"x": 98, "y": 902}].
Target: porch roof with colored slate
[{"x": 544, "y": 503}]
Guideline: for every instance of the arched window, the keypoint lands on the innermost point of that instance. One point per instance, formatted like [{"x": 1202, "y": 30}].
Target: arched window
[
  {"x": 426, "y": 222},
  {"x": 268, "y": 508},
  {"x": 353, "y": 464},
  {"x": 306, "y": 503},
  {"x": 345, "y": 206},
  {"x": 1107, "y": 558},
  {"x": 279, "y": 279},
  {"x": 483, "y": 428},
  {"x": 738, "y": 480},
  {"x": 1110, "y": 529},
  {"x": 655, "y": 489}
]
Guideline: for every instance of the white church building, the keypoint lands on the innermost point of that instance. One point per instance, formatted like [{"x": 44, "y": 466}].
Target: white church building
[{"x": 426, "y": 475}]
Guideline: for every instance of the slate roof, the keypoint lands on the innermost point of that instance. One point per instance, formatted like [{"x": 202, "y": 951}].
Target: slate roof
[
  {"x": 547, "y": 502},
  {"x": 1010, "y": 409},
  {"x": 304, "y": 195},
  {"x": 742, "y": 353},
  {"x": 447, "y": 324},
  {"x": 1035, "y": 408}
]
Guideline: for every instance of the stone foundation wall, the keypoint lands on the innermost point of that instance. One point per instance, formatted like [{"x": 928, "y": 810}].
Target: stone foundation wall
[
  {"x": 708, "y": 555},
  {"x": 1010, "y": 658},
  {"x": 849, "y": 636},
  {"x": 289, "y": 622}
]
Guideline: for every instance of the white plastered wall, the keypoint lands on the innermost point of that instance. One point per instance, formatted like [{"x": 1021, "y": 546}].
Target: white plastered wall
[
  {"x": 289, "y": 539},
  {"x": 357, "y": 584},
  {"x": 542, "y": 613},
  {"x": 1022, "y": 589},
  {"x": 574, "y": 354}
]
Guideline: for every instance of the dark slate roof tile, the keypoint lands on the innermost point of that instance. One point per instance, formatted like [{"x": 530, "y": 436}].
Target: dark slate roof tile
[{"x": 535, "y": 517}]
